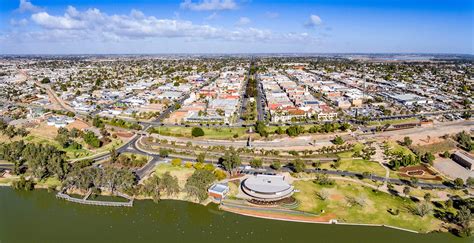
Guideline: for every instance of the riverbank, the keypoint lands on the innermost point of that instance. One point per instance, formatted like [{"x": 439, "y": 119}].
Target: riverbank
[{"x": 302, "y": 219}]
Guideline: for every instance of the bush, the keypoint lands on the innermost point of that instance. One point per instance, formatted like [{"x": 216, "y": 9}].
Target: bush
[
  {"x": 197, "y": 132},
  {"x": 176, "y": 162}
]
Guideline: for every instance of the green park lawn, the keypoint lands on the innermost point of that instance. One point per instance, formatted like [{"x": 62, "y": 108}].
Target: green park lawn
[
  {"x": 393, "y": 122},
  {"x": 375, "y": 210},
  {"x": 209, "y": 132},
  {"x": 394, "y": 147},
  {"x": 357, "y": 165}
]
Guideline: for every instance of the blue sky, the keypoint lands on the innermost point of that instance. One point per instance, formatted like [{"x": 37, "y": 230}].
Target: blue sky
[{"x": 235, "y": 26}]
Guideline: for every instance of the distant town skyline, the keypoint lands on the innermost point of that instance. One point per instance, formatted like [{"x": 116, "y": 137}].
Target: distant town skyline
[{"x": 235, "y": 26}]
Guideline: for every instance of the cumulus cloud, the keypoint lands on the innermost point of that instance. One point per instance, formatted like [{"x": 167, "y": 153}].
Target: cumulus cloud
[
  {"x": 243, "y": 21},
  {"x": 96, "y": 26},
  {"x": 27, "y": 6},
  {"x": 21, "y": 22},
  {"x": 209, "y": 5},
  {"x": 314, "y": 20}
]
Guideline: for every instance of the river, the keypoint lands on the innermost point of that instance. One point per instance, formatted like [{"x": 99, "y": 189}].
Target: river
[{"x": 37, "y": 216}]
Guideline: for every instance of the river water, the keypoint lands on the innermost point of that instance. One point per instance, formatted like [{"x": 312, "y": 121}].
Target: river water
[{"x": 37, "y": 216}]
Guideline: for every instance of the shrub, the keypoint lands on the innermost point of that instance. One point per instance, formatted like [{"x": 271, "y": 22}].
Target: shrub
[
  {"x": 176, "y": 162},
  {"x": 197, "y": 132}
]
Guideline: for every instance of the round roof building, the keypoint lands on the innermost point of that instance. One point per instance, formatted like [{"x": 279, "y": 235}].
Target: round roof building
[{"x": 267, "y": 187}]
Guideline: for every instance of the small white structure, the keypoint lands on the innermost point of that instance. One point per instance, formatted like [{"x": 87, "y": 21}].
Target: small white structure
[{"x": 218, "y": 191}]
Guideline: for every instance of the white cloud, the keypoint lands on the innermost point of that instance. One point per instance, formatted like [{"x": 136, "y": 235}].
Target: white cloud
[
  {"x": 314, "y": 20},
  {"x": 27, "y": 6},
  {"x": 243, "y": 21},
  {"x": 21, "y": 22},
  {"x": 209, "y": 5},
  {"x": 212, "y": 16},
  {"x": 272, "y": 15},
  {"x": 95, "y": 26}
]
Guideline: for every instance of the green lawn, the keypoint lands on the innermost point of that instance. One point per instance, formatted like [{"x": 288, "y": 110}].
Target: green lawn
[
  {"x": 393, "y": 122},
  {"x": 394, "y": 147},
  {"x": 209, "y": 133},
  {"x": 374, "y": 211},
  {"x": 358, "y": 165}
]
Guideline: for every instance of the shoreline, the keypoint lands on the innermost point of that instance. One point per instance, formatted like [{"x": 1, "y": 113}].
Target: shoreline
[
  {"x": 269, "y": 217},
  {"x": 331, "y": 222}
]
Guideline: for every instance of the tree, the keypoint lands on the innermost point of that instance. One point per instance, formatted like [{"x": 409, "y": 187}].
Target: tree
[
  {"x": 322, "y": 195},
  {"x": 276, "y": 165},
  {"x": 256, "y": 163},
  {"x": 63, "y": 140},
  {"x": 458, "y": 183},
  {"x": 91, "y": 139},
  {"x": 45, "y": 80},
  {"x": 113, "y": 155},
  {"x": 427, "y": 197},
  {"x": 197, "y": 185},
  {"x": 421, "y": 209},
  {"x": 260, "y": 128},
  {"x": 197, "y": 132},
  {"x": 294, "y": 130},
  {"x": 23, "y": 184},
  {"x": 164, "y": 152},
  {"x": 231, "y": 160},
  {"x": 298, "y": 165},
  {"x": 176, "y": 162},
  {"x": 470, "y": 182},
  {"x": 464, "y": 219},
  {"x": 428, "y": 158},
  {"x": 338, "y": 140},
  {"x": 446, "y": 154},
  {"x": 407, "y": 141},
  {"x": 201, "y": 158}
]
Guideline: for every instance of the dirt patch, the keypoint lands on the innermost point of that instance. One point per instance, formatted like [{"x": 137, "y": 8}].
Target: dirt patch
[
  {"x": 336, "y": 197},
  {"x": 124, "y": 134},
  {"x": 78, "y": 124},
  {"x": 281, "y": 216}
]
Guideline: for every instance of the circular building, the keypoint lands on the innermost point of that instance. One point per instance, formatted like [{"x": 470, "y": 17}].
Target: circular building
[{"x": 267, "y": 187}]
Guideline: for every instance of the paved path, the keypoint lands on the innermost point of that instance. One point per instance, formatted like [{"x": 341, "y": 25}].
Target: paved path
[{"x": 382, "y": 160}]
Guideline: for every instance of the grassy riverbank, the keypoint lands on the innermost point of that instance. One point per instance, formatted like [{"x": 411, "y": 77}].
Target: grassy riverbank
[{"x": 375, "y": 209}]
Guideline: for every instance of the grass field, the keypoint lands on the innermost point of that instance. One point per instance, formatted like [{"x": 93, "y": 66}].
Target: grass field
[
  {"x": 393, "y": 122},
  {"x": 209, "y": 133},
  {"x": 358, "y": 165},
  {"x": 375, "y": 210},
  {"x": 394, "y": 147}
]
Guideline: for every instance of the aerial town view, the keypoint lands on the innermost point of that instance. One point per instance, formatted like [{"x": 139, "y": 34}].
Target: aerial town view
[{"x": 236, "y": 121}]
